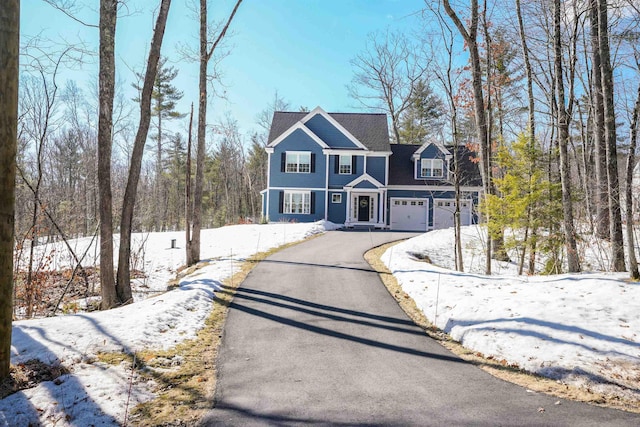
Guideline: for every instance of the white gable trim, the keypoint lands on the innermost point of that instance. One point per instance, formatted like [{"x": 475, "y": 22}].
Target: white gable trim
[
  {"x": 354, "y": 152},
  {"x": 319, "y": 110},
  {"x": 302, "y": 127},
  {"x": 438, "y": 144},
  {"x": 362, "y": 178}
]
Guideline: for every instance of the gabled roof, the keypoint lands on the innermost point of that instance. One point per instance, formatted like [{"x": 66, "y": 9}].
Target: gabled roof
[
  {"x": 303, "y": 128},
  {"x": 438, "y": 144},
  {"x": 370, "y": 129},
  {"x": 365, "y": 177},
  {"x": 401, "y": 166}
]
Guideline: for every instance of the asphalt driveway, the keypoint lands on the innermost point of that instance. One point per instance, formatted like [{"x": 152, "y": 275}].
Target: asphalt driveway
[{"x": 314, "y": 338}]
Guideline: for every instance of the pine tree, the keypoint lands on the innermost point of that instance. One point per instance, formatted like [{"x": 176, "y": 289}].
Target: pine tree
[
  {"x": 163, "y": 107},
  {"x": 525, "y": 202},
  {"x": 423, "y": 116}
]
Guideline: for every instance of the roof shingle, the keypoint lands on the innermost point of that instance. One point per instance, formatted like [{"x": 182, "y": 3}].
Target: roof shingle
[
  {"x": 369, "y": 128},
  {"x": 401, "y": 169}
]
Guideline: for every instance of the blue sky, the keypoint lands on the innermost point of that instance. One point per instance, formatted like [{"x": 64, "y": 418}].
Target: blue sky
[{"x": 300, "y": 48}]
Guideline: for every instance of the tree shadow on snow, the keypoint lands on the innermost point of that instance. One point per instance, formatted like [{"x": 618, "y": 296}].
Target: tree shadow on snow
[
  {"x": 550, "y": 325},
  {"x": 69, "y": 400}
]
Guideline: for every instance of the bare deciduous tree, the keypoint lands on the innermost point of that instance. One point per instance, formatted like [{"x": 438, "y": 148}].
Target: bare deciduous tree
[
  {"x": 206, "y": 53},
  {"x": 9, "y": 46},
  {"x": 631, "y": 161},
  {"x": 106, "y": 89},
  {"x": 606, "y": 81},
  {"x": 470, "y": 36},
  {"x": 573, "y": 259},
  {"x": 386, "y": 76},
  {"x": 123, "y": 284}
]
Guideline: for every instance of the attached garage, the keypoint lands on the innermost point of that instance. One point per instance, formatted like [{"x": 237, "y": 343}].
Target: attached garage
[
  {"x": 443, "y": 210},
  {"x": 409, "y": 214}
]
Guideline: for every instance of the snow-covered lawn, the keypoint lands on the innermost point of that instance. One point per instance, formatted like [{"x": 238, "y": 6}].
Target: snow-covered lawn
[
  {"x": 98, "y": 394},
  {"x": 581, "y": 329}
]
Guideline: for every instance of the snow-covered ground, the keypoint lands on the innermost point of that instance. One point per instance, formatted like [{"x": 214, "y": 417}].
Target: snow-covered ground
[
  {"x": 581, "y": 329},
  {"x": 97, "y": 394}
]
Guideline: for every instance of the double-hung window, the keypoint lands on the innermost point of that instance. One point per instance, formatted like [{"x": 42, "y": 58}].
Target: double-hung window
[
  {"x": 298, "y": 161},
  {"x": 297, "y": 202},
  {"x": 431, "y": 168},
  {"x": 344, "y": 165}
]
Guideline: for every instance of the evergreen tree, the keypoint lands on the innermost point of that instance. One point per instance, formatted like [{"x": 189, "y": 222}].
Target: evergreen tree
[
  {"x": 423, "y": 116},
  {"x": 163, "y": 107},
  {"x": 174, "y": 170},
  {"x": 256, "y": 174},
  {"x": 527, "y": 203}
]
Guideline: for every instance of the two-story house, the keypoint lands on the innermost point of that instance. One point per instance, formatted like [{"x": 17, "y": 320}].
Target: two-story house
[{"x": 341, "y": 167}]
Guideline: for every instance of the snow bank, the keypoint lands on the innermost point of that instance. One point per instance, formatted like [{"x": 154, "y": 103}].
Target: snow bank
[
  {"x": 582, "y": 328},
  {"x": 95, "y": 393}
]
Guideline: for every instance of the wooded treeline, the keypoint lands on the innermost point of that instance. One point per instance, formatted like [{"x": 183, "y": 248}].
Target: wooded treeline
[
  {"x": 547, "y": 93},
  {"x": 57, "y": 154}
]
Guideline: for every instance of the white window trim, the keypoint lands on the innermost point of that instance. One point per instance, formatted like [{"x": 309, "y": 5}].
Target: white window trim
[
  {"x": 298, "y": 163},
  {"x": 429, "y": 164},
  {"x": 336, "y": 198},
  {"x": 347, "y": 165},
  {"x": 287, "y": 207}
]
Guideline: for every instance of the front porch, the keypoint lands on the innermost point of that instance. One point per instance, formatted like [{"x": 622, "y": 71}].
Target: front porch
[{"x": 366, "y": 201}]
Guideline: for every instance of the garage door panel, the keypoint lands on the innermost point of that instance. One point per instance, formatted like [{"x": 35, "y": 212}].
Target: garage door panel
[
  {"x": 409, "y": 214},
  {"x": 443, "y": 210}
]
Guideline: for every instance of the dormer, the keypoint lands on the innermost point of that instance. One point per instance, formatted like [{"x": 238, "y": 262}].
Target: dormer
[{"x": 431, "y": 162}]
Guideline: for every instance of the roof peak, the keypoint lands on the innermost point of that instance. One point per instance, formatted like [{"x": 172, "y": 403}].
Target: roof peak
[{"x": 332, "y": 112}]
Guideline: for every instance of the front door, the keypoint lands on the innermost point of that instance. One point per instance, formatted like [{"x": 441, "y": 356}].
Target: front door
[{"x": 363, "y": 208}]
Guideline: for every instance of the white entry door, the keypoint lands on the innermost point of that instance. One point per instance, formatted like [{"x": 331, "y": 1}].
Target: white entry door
[
  {"x": 443, "y": 210},
  {"x": 409, "y": 214}
]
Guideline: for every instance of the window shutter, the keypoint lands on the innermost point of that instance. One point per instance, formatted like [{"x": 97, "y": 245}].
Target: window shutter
[
  {"x": 353, "y": 164},
  {"x": 313, "y": 202},
  {"x": 313, "y": 162},
  {"x": 336, "y": 165},
  {"x": 281, "y": 202},
  {"x": 283, "y": 161}
]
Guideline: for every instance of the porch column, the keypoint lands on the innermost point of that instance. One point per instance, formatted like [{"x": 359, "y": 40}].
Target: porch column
[
  {"x": 347, "y": 218},
  {"x": 382, "y": 208}
]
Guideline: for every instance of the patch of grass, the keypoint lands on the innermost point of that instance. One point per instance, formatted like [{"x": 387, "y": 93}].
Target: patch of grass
[{"x": 498, "y": 368}]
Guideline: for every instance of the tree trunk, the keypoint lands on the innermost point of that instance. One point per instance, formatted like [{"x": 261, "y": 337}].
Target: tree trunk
[
  {"x": 597, "y": 100},
  {"x": 529, "y": 73},
  {"x": 202, "y": 127},
  {"x": 633, "y": 261},
  {"x": 9, "y": 53},
  {"x": 106, "y": 83},
  {"x": 497, "y": 239},
  {"x": 470, "y": 38},
  {"x": 123, "y": 286},
  {"x": 188, "y": 210},
  {"x": 563, "y": 141},
  {"x": 531, "y": 136},
  {"x": 205, "y": 56},
  {"x": 615, "y": 215},
  {"x": 159, "y": 216}
]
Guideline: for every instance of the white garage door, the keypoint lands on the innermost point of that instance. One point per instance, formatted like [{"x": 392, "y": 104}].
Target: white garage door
[
  {"x": 443, "y": 210},
  {"x": 409, "y": 214}
]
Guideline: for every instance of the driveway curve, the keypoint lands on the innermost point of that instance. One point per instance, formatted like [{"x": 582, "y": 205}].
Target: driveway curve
[{"x": 314, "y": 338}]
